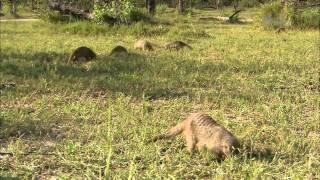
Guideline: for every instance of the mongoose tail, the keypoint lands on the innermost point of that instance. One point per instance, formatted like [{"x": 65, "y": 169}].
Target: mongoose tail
[
  {"x": 71, "y": 58},
  {"x": 185, "y": 44},
  {"x": 176, "y": 130},
  {"x": 188, "y": 46}
]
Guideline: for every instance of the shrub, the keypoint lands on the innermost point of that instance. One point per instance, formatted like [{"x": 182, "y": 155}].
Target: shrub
[
  {"x": 273, "y": 15},
  {"x": 118, "y": 12},
  {"x": 161, "y": 8},
  {"x": 249, "y": 3},
  {"x": 234, "y": 19},
  {"x": 55, "y": 17},
  {"x": 137, "y": 15},
  {"x": 308, "y": 18}
]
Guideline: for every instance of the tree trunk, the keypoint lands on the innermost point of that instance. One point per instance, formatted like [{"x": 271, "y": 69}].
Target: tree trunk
[
  {"x": 33, "y": 7},
  {"x": 13, "y": 7},
  {"x": 217, "y": 4},
  {"x": 236, "y": 5},
  {"x": 180, "y": 6},
  {"x": 295, "y": 11},
  {"x": 151, "y": 6}
]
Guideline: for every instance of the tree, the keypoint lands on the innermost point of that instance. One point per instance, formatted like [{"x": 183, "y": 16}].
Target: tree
[
  {"x": 236, "y": 5},
  {"x": 151, "y": 6},
  {"x": 33, "y": 4},
  {"x": 217, "y": 4},
  {"x": 13, "y": 7},
  {"x": 180, "y": 6}
]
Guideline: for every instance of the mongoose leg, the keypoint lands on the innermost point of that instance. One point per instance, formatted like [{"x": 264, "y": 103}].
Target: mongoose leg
[
  {"x": 191, "y": 141},
  {"x": 217, "y": 151},
  {"x": 200, "y": 146}
]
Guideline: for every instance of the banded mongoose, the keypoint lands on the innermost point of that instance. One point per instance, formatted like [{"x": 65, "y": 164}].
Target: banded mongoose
[
  {"x": 280, "y": 29},
  {"x": 176, "y": 45},
  {"x": 144, "y": 45},
  {"x": 118, "y": 50},
  {"x": 82, "y": 53},
  {"x": 202, "y": 131}
]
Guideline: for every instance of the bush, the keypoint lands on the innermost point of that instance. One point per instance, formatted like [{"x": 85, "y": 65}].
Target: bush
[
  {"x": 137, "y": 15},
  {"x": 273, "y": 16},
  {"x": 161, "y": 8},
  {"x": 55, "y": 17},
  {"x": 118, "y": 12},
  {"x": 249, "y": 3},
  {"x": 308, "y": 18},
  {"x": 276, "y": 16}
]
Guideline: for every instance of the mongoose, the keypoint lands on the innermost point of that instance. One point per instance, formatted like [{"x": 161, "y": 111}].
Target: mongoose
[
  {"x": 143, "y": 45},
  {"x": 177, "y": 45},
  {"x": 280, "y": 29},
  {"x": 82, "y": 53},
  {"x": 118, "y": 50},
  {"x": 202, "y": 131}
]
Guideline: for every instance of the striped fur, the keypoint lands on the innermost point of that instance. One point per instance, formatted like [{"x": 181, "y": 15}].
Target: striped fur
[
  {"x": 144, "y": 45},
  {"x": 176, "y": 45},
  {"x": 82, "y": 52}
]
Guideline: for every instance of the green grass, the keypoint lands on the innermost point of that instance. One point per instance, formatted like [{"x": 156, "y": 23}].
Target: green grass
[
  {"x": 92, "y": 121},
  {"x": 22, "y": 13}
]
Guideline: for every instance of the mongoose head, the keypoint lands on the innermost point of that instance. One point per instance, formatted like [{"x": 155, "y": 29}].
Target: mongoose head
[
  {"x": 230, "y": 146},
  {"x": 119, "y": 50}
]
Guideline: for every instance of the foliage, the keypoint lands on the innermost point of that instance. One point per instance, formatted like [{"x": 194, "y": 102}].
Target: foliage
[
  {"x": 308, "y": 18},
  {"x": 161, "y": 8},
  {"x": 55, "y": 16},
  {"x": 234, "y": 19},
  {"x": 121, "y": 11},
  {"x": 249, "y": 3},
  {"x": 289, "y": 15},
  {"x": 302, "y": 17},
  {"x": 137, "y": 15},
  {"x": 273, "y": 15}
]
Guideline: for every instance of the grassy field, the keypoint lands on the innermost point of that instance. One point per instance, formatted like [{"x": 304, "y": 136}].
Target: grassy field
[
  {"x": 92, "y": 121},
  {"x": 22, "y": 13}
]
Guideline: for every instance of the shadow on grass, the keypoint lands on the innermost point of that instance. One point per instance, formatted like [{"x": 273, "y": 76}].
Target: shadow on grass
[
  {"x": 10, "y": 54},
  {"x": 133, "y": 74},
  {"x": 258, "y": 152},
  {"x": 151, "y": 76},
  {"x": 9, "y": 178},
  {"x": 261, "y": 153},
  {"x": 57, "y": 128}
]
